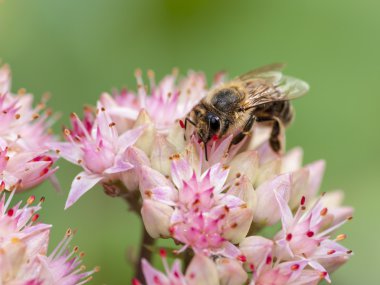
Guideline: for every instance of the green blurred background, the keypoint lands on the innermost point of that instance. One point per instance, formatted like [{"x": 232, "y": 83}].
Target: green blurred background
[{"x": 77, "y": 49}]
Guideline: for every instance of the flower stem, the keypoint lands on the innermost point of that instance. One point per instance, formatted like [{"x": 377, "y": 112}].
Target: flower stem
[
  {"x": 133, "y": 199},
  {"x": 145, "y": 252},
  {"x": 187, "y": 258}
]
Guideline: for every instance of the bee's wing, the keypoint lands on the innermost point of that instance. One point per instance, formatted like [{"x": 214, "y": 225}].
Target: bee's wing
[
  {"x": 268, "y": 84},
  {"x": 264, "y": 71}
]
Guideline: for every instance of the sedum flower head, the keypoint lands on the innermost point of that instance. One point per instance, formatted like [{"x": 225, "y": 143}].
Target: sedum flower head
[
  {"x": 165, "y": 102},
  {"x": 23, "y": 249},
  {"x": 25, "y": 157},
  {"x": 214, "y": 209},
  {"x": 97, "y": 147},
  {"x": 201, "y": 216},
  {"x": 201, "y": 270}
]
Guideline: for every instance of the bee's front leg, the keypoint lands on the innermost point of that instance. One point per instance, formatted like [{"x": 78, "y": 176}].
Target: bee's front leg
[
  {"x": 191, "y": 122},
  {"x": 246, "y": 130}
]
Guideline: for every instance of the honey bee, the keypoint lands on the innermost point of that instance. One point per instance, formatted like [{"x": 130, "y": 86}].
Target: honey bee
[{"x": 261, "y": 95}]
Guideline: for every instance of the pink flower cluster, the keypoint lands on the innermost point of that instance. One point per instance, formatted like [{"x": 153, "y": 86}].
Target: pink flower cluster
[
  {"x": 24, "y": 244},
  {"x": 25, "y": 158},
  {"x": 214, "y": 209}
]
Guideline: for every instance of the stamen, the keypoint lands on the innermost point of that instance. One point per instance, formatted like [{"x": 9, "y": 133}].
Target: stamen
[
  {"x": 242, "y": 258},
  {"x": 10, "y": 212},
  {"x": 323, "y": 212},
  {"x": 295, "y": 267},
  {"x": 35, "y": 217},
  {"x": 341, "y": 237},
  {"x": 163, "y": 253}
]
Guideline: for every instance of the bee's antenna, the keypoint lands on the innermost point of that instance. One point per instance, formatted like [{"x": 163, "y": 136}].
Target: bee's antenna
[{"x": 205, "y": 144}]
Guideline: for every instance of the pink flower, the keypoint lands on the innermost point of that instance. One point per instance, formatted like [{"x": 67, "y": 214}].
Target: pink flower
[
  {"x": 267, "y": 268},
  {"x": 201, "y": 270},
  {"x": 204, "y": 218},
  {"x": 23, "y": 249},
  {"x": 63, "y": 266},
  {"x": 24, "y": 170},
  {"x": 306, "y": 234},
  {"x": 165, "y": 102},
  {"x": 24, "y": 137},
  {"x": 96, "y": 147}
]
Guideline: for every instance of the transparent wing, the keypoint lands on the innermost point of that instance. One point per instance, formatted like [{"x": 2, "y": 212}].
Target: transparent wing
[
  {"x": 268, "y": 84},
  {"x": 263, "y": 72}
]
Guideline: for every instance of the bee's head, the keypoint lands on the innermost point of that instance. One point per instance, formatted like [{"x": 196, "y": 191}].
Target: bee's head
[{"x": 208, "y": 127}]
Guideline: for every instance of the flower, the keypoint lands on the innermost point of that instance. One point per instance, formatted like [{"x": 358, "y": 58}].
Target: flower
[
  {"x": 306, "y": 234},
  {"x": 63, "y": 266},
  {"x": 268, "y": 268},
  {"x": 24, "y": 170},
  {"x": 201, "y": 270},
  {"x": 97, "y": 147},
  {"x": 200, "y": 215},
  {"x": 23, "y": 249},
  {"x": 166, "y": 103},
  {"x": 25, "y": 157}
]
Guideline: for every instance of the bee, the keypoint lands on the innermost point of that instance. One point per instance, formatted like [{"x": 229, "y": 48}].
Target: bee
[{"x": 261, "y": 95}]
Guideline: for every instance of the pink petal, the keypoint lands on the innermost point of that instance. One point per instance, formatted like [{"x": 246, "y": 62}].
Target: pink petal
[
  {"x": 150, "y": 178},
  {"x": 292, "y": 160},
  {"x": 119, "y": 166},
  {"x": 68, "y": 151},
  {"x": 181, "y": 171},
  {"x": 130, "y": 137},
  {"x": 316, "y": 170},
  {"x": 81, "y": 184},
  {"x": 153, "y": 276}
]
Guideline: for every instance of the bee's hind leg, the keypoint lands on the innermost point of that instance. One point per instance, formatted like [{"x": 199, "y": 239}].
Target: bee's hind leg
[
  {"x": 246, "y": 130},
  {"x": 274, "y": 139}
]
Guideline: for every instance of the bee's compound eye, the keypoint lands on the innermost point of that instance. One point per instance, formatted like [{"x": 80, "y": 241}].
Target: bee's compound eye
[{"x": 214, "y": 123}]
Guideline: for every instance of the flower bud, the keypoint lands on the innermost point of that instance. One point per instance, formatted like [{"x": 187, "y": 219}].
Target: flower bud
[
  {"x": 230, "y": 272},
  {"x": 156, "y": 217},
  {"x": 246, "y": 163},
  {"x": 257, "y": 250},
  {"x": 202, "y": 271},
  {"x": 267, "y": 211},
  {"x": 160, "y": 157},
  {"x": 145, "y": 142},
  {"x": 238, "y": 223}
]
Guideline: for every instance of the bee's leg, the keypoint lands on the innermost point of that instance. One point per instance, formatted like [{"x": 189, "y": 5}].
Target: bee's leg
[
  {"x": 274, "y": 139},
  {"x": 191, "y": 122},
  {"x": 246, "y": 129}
]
